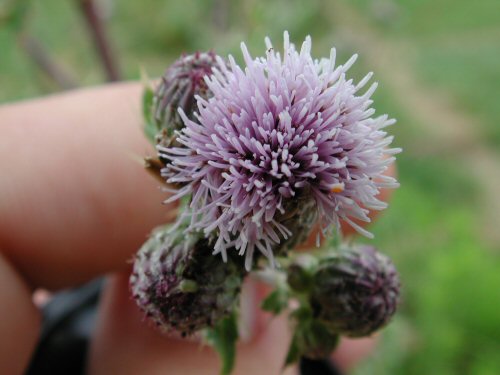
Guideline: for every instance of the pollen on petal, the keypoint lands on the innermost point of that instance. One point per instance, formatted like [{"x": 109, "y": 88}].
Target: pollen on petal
[{"x": 337, "y": 188}]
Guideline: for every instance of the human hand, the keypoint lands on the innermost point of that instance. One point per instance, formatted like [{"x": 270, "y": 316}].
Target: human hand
[{"x": 76, "y": 204}]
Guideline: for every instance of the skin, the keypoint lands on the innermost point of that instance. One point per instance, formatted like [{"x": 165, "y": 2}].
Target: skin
[{"x": 76, "y": 203}]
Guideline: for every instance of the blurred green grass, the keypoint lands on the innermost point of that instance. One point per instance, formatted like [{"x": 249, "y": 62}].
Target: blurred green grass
[
  {"x": 457, "y": 49},
  {"x": 449, "y": 321}
]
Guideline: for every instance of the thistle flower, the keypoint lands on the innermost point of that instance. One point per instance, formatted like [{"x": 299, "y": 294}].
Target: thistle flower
[
  {"x": 180, "y": 286},
  {"x": 182, "y": 81},
  {"x": 355, "y": 292},
  {"x": 282, "y": 132}
]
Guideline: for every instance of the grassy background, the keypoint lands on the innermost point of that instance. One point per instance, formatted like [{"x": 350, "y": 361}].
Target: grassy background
[{"x": 438, "y": 62}]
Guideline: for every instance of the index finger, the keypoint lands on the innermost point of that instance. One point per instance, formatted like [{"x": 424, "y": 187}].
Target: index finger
[{"x": 74, "y": 200}]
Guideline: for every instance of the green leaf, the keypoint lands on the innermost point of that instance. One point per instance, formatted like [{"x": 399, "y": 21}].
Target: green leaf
[
  {"x": 293, "y": 354},
  {"x": 276, "y": 301},
  {"x": 311, "y": 339},
  {"x": 223, "y": 339},
  {"x": 150, "y": 128}
]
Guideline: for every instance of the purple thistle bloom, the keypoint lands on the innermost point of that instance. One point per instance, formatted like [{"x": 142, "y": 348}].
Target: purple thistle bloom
[{"x": 281, "y": 131}]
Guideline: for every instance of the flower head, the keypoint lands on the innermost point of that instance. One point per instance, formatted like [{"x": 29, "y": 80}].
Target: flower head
[
  {"x": 182, "y": 81},
  {"x": 283, "y": 130},
  {"x": 180, "y": 286},
  {"x": 356, "y": 291}
]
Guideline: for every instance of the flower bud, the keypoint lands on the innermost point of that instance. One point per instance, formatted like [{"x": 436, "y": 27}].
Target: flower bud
[
  {"x": 182, "y": 81},
  {"x": 356, "y": 291},
  {"x": 180, "y": 285}
]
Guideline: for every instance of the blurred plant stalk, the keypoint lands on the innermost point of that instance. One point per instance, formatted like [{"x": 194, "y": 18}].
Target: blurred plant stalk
[
  {"x": 48, "y": 65},
  {"x": 96, "y": 26},
  {"x": 13, "y": 17}
]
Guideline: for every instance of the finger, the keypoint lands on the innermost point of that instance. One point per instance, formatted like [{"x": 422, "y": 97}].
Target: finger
[
  {"x": 19, "y": 321},
  {"x": 125, "y": 344},
  {"x": 351, "y": 352},
  {"x": 75, "y": 201}
]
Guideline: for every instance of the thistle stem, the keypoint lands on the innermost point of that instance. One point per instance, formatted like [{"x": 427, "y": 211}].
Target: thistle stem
[
  {"x": 48, "y": 65},
  {"x": 98, "y": 31}
]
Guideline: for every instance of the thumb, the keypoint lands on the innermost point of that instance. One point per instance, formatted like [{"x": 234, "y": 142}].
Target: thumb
[{"x": 124, "y": 343}]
